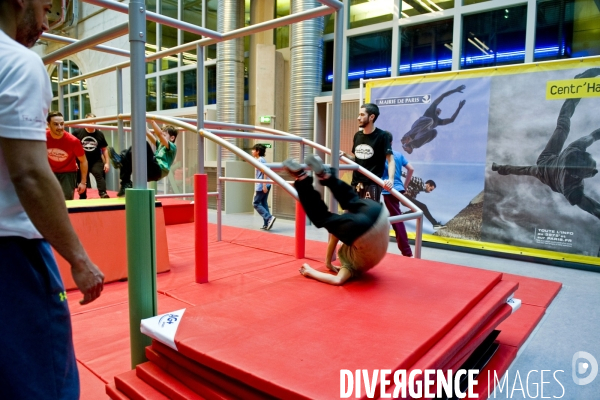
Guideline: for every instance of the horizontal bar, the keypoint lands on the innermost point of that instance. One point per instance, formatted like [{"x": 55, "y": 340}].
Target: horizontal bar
[
  {"x": 105, "y": 36},
  {"x": 99, "y": 127},
  {"x": 238, "y": 134},
  {"x": 161, "y": 19},
  {"x": 170, "y": 196},
  {"x": 105, "y": 49}
]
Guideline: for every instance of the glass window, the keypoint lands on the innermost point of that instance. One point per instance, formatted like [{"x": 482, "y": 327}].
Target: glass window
[
  {"x": 168, "y": 88},
  {"x": 189, "y": 88},
  {"x": 151, "y": 94},
  {"x": 426, "y": 48},
  {"x": 282, "y": 34},
  {"x": 469, "y": 2},
  {"x": 327, "y": 76},
  {"x": 211, "y": 84},
  {"x": 168, "y": 34},
  {"x": 367, "y": 12},
  {"x": 410, "y": 8},
  {"x": 86, "y": 106},
  {"x": 151, "y": 45},
  {"x": 74, "y": 112},
  {"x": 494, "y": 38},
  {"x": 369, "y": 56},
  {"x": 192, "y": 13},
  {"x": 567, "y": 28}
]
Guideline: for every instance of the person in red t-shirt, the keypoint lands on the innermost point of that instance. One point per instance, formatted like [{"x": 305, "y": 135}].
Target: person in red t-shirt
[{"x": 63, "y": 149}]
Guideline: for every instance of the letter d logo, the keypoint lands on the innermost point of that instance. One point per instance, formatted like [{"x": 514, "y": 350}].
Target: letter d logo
[{"x": 581, "y": 367}]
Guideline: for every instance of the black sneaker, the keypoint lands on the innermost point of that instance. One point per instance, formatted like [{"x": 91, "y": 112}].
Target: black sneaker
[
  {"x": 316, "y": 164},
  {"x": 264, "y": 227},
  {"x": 104, "y": 195},
  {"x": 115, "y": 159},
  {"x": 494, "y": 166},
  {"x": 124, "y": 186},
  {"x": 294, "y": 168}
]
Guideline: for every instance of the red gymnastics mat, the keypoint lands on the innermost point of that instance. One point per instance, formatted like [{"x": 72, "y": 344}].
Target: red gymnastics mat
[
  {"x": 260, "y": 327},
  {"x": 290, "y": 338}
]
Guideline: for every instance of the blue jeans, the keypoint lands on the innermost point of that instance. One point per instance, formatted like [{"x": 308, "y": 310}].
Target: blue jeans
[
  {"x": 261, "y": 205},
  {"x": 36, "y": 343}
]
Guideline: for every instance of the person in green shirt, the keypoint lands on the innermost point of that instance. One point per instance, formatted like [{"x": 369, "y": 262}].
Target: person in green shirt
[{"x": 160, "y": 154}]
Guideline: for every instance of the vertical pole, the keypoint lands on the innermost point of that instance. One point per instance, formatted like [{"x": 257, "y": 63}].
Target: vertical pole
[
  {"x": 141, "y": 267},
  {"x": 139, "y": 201},
  {"x": 337, "y": 96},
  {"x": 219, "y": 192},
  {"x": 419, "y": 237},
  {"x": 61, "y": 97},
  {"x": 200, "y": 105},
  {"x": 121, "y": 131},
  {"x": 300, "y": 230},
  {"x": 201, "y": 225}
]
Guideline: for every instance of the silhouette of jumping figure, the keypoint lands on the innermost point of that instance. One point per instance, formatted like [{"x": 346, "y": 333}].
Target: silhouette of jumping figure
[
  {"x": 564, "y": 170},
  {"x": 423, "y": 129}
]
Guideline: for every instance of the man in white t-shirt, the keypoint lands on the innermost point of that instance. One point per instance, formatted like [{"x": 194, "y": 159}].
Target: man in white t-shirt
[{"x": 36, "y": 347}]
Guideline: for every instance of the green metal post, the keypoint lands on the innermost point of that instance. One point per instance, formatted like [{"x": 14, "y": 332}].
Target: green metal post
[{"x": 141, "y": 261}]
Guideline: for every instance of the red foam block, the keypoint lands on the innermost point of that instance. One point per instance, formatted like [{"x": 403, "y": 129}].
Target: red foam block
[
  {"x": 135, "y": 388},
  {"x": 164, "y": 383},
  {"x": 285, "y": 338}
]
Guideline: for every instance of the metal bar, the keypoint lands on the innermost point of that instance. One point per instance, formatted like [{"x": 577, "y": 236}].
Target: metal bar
[
  {"x": 238, "y": 134},
  {"x": 337, "y": 95},
  {"x": 264, "y": 26},
  {"x": 200, "y": 105},
  {"x": 219, "y": 191},
  {"x": 105, "y": 49},
  {"x": 86, "y": 43},
  {"x": 61, "y": 96},
  {"x": 98, "y": 72},
  {"x": 100, "y": 127},
  {"x": 173, "y": 196},
  {"x": 137, "y": 40},
  {"x": 161, "y": 19}
]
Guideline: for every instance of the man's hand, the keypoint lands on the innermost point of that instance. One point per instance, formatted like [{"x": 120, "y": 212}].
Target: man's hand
[
  {"x": 462, "y": 103},
  {"x": 106, "y": 167},
  {"x": 342, "y": 154},
  {"x": 460, "y": 89},
  {"x": 89, "y": 279},
  {"x": 81, "y": 187},
  {"x": 389, "y": 184},
  {"x": 265, "y": 189}
]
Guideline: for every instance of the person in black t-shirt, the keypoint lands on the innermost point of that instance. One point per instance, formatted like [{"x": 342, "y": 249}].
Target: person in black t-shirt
[
  {"x": 423, "y": 129},
  {"x": 96, "y": 152},
  {"x": 371, "y": 147}
]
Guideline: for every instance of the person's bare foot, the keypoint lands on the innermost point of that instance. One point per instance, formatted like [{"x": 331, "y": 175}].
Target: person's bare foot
[
  {"x": 306, "y": 270},
  {"x": 333, "y": 268}
]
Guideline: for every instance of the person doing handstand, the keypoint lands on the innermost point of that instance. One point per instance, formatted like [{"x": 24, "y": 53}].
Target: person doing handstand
[
  {"x": 160, "y": 154},
  {"x": 363, "y": 229}
]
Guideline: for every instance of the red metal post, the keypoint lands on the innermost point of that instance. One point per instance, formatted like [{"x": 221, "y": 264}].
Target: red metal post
[
  {"x": 201, "y": 226},
  {"x": 300, "y": 230}
]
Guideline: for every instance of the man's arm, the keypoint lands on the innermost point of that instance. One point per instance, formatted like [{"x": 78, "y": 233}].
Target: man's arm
[
  {"x": 331, "y": 246},
  {"x": 43, "y": 201},
  {"x": 590, "y": 205},
  {"x": 105, "y": 159},
  {"x": 83, "y": 167},
  {"x": 450, "y": 120},
  {"x": 389, "y": 183},
  {"x": 409, "y": 173},
  {"x": 437, "y": 101},
  {"x": 586, "y": 141}
]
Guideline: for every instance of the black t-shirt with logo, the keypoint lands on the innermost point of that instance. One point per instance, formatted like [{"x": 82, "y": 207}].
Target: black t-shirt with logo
[
  {"x": 370, "y": 152},
  {"x": 92, "y": 143}
]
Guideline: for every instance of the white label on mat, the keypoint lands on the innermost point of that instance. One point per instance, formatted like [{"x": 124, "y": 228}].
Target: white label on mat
[
  {"x": 514, "y": 303},
  {"x": 163, "y": 327}
]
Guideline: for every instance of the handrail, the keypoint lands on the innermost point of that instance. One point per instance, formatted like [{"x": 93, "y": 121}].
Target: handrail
[{"x": 267, "y": 169}]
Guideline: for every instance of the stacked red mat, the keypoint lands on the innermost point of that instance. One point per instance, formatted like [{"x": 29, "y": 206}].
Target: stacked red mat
[{"x": 291, "y": 338}]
